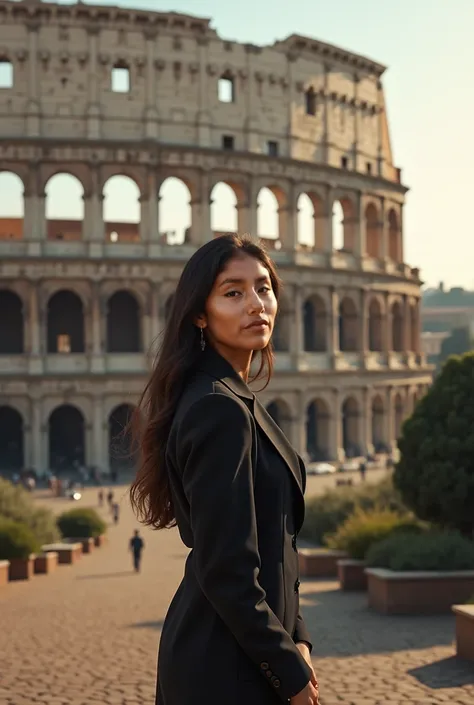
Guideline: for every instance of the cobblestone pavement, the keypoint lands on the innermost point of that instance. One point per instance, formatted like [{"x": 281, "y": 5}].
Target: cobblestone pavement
[{"x": 88, "y": 635}]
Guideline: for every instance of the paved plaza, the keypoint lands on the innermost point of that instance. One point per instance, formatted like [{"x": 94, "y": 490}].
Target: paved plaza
[{"x": 88, "y": 634}]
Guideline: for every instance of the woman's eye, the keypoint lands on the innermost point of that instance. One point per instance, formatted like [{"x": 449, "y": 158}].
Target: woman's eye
[
  {"x": 230, "y": 294},
  {"x": 265, "y": 289}
]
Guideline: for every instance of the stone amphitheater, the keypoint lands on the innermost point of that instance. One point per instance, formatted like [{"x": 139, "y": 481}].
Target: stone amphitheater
[{"x": 294, "y": 135}]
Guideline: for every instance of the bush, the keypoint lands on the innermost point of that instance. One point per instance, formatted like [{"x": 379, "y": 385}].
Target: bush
[
  {"x": 435, "y": 474},
  {"x": 363, "y": 529},
  {"x": 325, "y": 513},
  {"x": 16, "y": 540},
  {"x": 81, "y": 524},
  {"x": 18, "y": 504},
  {"x": 438, "y": 550}
]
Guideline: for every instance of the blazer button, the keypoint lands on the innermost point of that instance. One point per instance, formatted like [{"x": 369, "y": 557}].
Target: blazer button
[
  {"x": 264, "y": 666},
  {"x": 269, "y": 674},
  {"x": 276, "y": 683},
  {"x": 297, "y": 585}
]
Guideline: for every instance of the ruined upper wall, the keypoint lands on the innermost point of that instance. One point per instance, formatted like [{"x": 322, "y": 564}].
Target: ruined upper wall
[{"x": 299, "y": 98}]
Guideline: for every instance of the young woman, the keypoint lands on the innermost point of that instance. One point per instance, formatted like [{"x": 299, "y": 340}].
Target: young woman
[{"x": 214, "y": 462}]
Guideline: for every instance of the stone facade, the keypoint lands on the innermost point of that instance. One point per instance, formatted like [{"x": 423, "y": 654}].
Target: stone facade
[{"x": 83, "y": 302}]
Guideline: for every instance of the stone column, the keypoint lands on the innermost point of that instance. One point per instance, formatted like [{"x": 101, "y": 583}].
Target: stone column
[
  {"x": 155, "y": 318},
  {"x": 359, "y": 228},
  {"x": 288, "y": 221},
  {"x": 100, "y": 455},
  {"x": 151, "y": 113},
  {"x": 204, "y": 120},
  {"x": 388, "y": 338},
  {"x": 336, "y": 450},
  {"x": 299, "y": 437},
  {"x": 149, "y": 225},
  {"x": 297, "y": 333},
  {"x": 406, "y": 324},
  {"x": 366, "y": 419},
  {"x": 247, "y": 210},
  {"x": 35, "y": 362},
  {"x": 33, "y": 106},
  {"x": 364, "y": 332},
  {"x": 36, "y": 458},
  {"x": 333, "y": 323},
  {"x": 324, "y": 225},
  {"x": 97, "y": 360},
  {"x": 201, "y": 212},
  {"x": 93, "y": 108},
  {"x": 93, "y": 209},
  {"x": 389, "y": 420},
  {"x": 383, "y": 229}
]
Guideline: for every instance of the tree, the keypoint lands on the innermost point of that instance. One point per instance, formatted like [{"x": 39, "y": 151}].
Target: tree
[
  {"x": 458, "y": 343},
  {"x": 435, "y": 474}
]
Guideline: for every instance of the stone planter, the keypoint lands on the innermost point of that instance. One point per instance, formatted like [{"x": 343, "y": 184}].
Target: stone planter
[
  {"x": 21, "y": 568},
  {"x": 417, "y": 592},
  {"x": 45, "y": 563},
  {"x": 351, "y": 574},
  {"x": 4, "y": 572},
  {"x": 319, "y": 562},
  {"x": 100, "y": 540},
  {"x": 87, "y": 545},
  {"x": 68, "y": 553},
  {"x": 464, "y": 631}
]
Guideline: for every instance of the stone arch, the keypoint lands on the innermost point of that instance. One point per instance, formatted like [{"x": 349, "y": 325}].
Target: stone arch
[
  {"x": 12, "y": 206},
  {"x": 397, "y": 327},
  {"x": 378, "y": 424},
  {"x": 372, "y": 232},
  {"x": 11, "y": 323},
  {"x": 270, "y": 210},
  {"x": 67, "y": 434},
  {"x": 64, "y": 207},
  {"x": 350, "y": 427},
  {"x": 11, "y": 439},
  {"x": 281, "y": 414},
  {"x": 375, "y": 326},
  {"x": 120, "y": 440},
  {"x": 282, "y": 329},
  {"x": 123, "y": 323},
  {"x": 314, "y": 324},
  {"x": 343, "y": 225},
  {"x": 121, "y": 209},
  {"x": 394, "y": 249},
  {"x": 398, "y": 414},
  {"x": 65, "y": 323},
  {"x": 348, "y": 325},
  {"x": 317, "y": 430},
  {"x": 224, "y": 209},
  {"x": 175, "y": 216}
]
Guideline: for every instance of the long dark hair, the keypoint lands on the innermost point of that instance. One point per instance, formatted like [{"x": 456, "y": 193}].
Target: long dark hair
[{"x": 179, "y": 351}]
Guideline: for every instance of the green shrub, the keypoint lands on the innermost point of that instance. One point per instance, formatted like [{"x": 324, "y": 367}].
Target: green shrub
[
  {"x": 16, "y": 540},
  {"x": 81, "y": 523},
  {"x": 435, "y": 550},
  {"x": 364, "y": 528},
  {"x": 326, "y": 512},
  {"x": 18, "y": 504}
]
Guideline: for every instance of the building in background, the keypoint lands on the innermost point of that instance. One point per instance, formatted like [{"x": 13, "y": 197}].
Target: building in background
[
  {"x": 446, "y": 314},
  {"x": 97, "y": 101}
]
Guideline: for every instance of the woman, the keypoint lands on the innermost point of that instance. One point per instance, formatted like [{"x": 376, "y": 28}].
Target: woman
[{"x": 214, "y": 462}]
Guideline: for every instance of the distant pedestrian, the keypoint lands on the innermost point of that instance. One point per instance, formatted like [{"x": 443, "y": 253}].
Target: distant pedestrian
[
  {"x": 101, "y": 497},
  {"x": 116, "y": 512},
  {"x": 362, "y": 470},
  {"x": 136, "y": 547},
  {"x": 110, "y": 499}
]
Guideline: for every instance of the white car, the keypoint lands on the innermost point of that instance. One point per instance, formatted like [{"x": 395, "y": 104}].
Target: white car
[{"x": 320, "y": 469}]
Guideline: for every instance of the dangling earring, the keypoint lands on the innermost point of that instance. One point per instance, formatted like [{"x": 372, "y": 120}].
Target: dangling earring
[{"x": 203, "y": 342}]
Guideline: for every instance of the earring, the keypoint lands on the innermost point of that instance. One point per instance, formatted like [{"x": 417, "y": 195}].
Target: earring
[{"x": 203, "y": 342}]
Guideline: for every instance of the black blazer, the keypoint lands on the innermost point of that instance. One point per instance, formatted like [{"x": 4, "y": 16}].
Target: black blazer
[{"x": 237, "y": 486}]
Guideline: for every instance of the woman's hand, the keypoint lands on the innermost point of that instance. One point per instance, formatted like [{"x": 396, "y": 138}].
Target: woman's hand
[{"x": 310, "y": 694}]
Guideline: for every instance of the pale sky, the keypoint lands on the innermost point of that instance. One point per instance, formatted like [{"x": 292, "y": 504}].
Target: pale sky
[{"x": 428, "y": 48}]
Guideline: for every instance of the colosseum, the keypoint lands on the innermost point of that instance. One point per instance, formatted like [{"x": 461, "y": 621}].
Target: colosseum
[{"x": 187, "y": 135}]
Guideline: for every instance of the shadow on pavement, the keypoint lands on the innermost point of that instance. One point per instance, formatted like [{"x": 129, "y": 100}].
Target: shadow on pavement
[
  {"x": 447, "y": 673},
  {"x": 345, "y": 626},
  {"x": 105, "y": 575},
  {"x": 147, "y": 625}
]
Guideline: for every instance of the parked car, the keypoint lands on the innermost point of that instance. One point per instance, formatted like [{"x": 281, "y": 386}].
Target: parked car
[{"x": 320, "y": 469}]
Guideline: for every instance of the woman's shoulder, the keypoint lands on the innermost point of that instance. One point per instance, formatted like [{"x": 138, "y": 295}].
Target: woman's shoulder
[{"x": 205, "y": 398}]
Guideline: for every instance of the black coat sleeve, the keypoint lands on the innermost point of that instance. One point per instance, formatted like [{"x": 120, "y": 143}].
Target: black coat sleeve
[
  {"x": 301, "y": 632},
  {"x": 214, "y": 449}
]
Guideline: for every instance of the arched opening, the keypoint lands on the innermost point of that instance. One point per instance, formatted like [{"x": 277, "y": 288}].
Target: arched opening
[
  {"x": 317, "y": 430},
  {"x": 350, "y": 428},
  {"x": 66, "y": 439},
  {"x": 120, "y": 439},
  {"x": 65, "y": 323},
  {"x": 121, "y": 209},
  {"x": 175, "y": 217},
  {"x": 393, "y": 237},
  {"x": 11, "y": 440},
  {"x": 375, "y": 326},
  {"x": 267, "y": 215},
  {"x": 224, "y": 215},
  {"x": 280, "y": 413},
  {"x": 64, "y": 207},
  {"x": 281, "y": 330},
  {"x": 372, "y": 232},
  {"x": 315, "y": 325},
  {"x": 348, "y": 326},
  {"x": 123, "y": 323},
  {"x": 397, "y": 327},
  {"x": 414, "y": 327},
  {"x": 11, "y": 323},
  {"x": 306, "y": 221},
  {"x": 12, "y": 208},
  {"x": 399, "y": 413},
  {"x": 343, "y": 226},
  {"x": 378, "y": 425}
]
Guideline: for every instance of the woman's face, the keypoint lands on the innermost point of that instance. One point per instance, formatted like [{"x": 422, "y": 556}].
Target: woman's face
[{"x": 241, "y": 308}]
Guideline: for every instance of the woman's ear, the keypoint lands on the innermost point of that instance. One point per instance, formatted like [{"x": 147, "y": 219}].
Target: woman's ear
[{"x": 200, "y": 321}]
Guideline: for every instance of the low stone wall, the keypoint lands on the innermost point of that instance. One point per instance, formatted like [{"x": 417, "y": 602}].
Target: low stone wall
[
  {"x": 21, "y": 568},
  {"x": 417, "y": 592},
  {"x": 68, "y": 553},
  {"x": 319, "y": 562},
  {"x": 45, "y": 563},
  {"x": 351, "y": 574},
  {"x": 464, "y": 631},
  {"x": 4, "y": 567}
]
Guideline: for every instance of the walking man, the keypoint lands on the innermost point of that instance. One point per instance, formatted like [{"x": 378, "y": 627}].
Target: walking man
[{"x": 136, "y": 546}]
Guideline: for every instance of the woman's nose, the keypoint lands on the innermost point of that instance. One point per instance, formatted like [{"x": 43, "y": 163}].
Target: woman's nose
[{"x": 256, "y": 303}]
